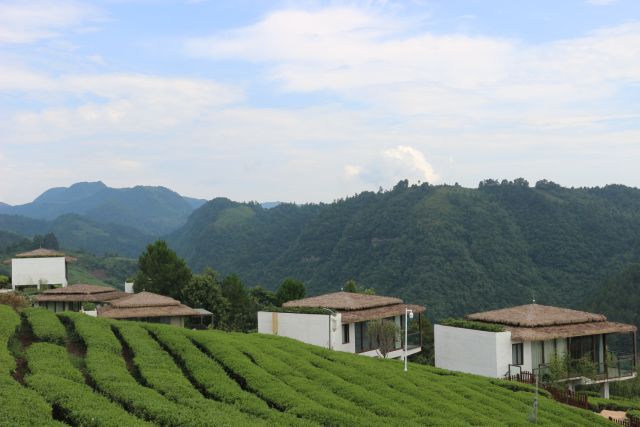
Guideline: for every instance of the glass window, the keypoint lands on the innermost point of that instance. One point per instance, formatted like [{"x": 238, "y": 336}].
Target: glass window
[
  {"x": 345, "y": 334},
  {"x": 517, "y": 354}
]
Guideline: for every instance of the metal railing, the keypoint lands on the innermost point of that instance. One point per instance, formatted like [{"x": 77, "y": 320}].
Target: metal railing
[{"x": 616, "y": 366}]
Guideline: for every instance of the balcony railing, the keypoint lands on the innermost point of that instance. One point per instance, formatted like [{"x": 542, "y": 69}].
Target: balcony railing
[
  {"x": 413, "y": 340},
  {"x": 617, "y": 366}
]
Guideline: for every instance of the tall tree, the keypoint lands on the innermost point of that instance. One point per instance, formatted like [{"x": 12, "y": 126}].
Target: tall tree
[
  {"x": 161, "y": 271},
  {"x": 263, "y": 297},
  {"x": 204, "y": 291},
  {"x": 242, "y": 308},
  {"x": 289, "y": 290},
  {"x": 50, "y": 241},
  {"x": 353, "y": 287}
]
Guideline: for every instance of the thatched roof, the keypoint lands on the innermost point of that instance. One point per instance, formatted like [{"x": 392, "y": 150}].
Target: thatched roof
[
  {"x": 43, "y": 253},
  {"x": 36, "y": 253},
  {"x": 535, "y": 315},
  {"x": 145, "y": 304},
  {"x": 344, "y": 301},
  {"x": 352, "y": 316},
  {"x": 570, "y": 330},
  {"x": 130, "y": 313},
  {"x": 144, "y": 299},
  {"x": 80, "y": 293}
]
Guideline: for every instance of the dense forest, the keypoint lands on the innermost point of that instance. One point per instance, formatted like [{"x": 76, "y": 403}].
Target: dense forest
[{"x": 454, "y": 249}]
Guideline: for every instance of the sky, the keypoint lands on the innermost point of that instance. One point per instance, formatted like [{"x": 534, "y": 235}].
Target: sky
[{"x": 309, "y": 101}]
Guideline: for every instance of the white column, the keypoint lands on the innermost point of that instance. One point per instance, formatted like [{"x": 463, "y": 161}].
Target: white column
[{"x": 605, "y": 390}]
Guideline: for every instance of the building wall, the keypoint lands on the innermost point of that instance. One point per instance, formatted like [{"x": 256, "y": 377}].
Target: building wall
[
  {"x": 309, "y": 328},
  {"x": 33, "y": 271},
  {"x": 471, "y": 351}
]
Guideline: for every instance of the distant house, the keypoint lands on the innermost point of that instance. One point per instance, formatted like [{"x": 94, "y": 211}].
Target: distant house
[
  {"x": 71, "y": 297},
  {"x": 148, "y": 307},
  {"x": 344, "y": 325},
  {"x": 535, "y": 339},
  {"x": 40, "y": 268}
]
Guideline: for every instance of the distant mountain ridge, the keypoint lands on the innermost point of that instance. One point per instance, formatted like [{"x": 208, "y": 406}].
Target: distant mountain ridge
[{"x": 152, "y": 210}]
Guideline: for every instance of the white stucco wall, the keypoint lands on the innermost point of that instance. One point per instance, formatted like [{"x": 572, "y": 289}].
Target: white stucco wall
[
  {"x": 309, "y": 328},
  {"x": 32, "y": 271},
  {"x": 472, "y": 351}
]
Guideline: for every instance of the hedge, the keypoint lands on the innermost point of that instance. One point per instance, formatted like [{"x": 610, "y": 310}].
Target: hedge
[
  {"x": 158, "y": 369},
  {"x": 18, "y": 405},
  {"x": 45, "y": 325},
  {"x": 211, "y": 378},
  {"x": 47, "y": 358}
]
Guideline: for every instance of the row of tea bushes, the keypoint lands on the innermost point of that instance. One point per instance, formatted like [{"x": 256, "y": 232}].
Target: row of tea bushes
[
  {"x": 62, "y": 385},
  {"x": 45, "y": 325},
  {"x": 18, "y": 405}
]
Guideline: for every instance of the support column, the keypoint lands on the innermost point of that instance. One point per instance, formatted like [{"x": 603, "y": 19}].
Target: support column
[
  {"x": 572, "y": 387},
  {"x": 605, "y": 390}
]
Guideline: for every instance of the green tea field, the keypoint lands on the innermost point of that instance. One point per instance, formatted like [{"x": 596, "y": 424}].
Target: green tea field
[{"x": 71, "y": 369}]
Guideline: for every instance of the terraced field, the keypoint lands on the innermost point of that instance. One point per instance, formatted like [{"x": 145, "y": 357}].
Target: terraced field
[{"x": 71, "y": 369}]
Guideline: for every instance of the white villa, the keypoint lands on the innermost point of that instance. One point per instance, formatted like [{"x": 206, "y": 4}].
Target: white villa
[
  {"x": 40, "y": 267},
  {"x": 343, "y": 326},
  {"x": 533, "y": 338}
]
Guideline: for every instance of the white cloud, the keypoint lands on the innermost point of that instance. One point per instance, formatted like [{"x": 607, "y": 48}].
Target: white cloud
[
  {"x": 120, "y": 103},
  {"x": 352, "y": 170},
  {"x": 411, "y": 162},
  {"x": 462, "y": 79},
  {"x": 32, "y": 20}
]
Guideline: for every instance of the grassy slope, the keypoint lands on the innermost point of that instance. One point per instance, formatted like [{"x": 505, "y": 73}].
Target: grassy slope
[{"x": 180, "y": 377}]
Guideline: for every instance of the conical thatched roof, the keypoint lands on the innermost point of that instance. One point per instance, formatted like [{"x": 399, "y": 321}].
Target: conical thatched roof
[{"x": 344, "y": 301}]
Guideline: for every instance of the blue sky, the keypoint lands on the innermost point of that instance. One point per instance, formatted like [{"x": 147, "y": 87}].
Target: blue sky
[{"x": 312, "y": 101}]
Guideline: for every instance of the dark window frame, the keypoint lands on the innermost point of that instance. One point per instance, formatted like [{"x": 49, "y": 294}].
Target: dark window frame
[
  {"x": 345, "y": 334},
  {"x": 517, "y": 354}
]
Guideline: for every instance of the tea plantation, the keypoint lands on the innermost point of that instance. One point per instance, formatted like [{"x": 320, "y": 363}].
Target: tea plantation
[{"x": 71, "y": 369}]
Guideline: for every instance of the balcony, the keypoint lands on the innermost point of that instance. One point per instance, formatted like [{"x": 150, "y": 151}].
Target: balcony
[{"x": 584, "y": 370}]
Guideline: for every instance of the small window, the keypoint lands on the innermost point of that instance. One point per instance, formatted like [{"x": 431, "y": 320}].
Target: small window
[
  {"x": 517, "y": 354},
  {"x": 345, "y": 334}
]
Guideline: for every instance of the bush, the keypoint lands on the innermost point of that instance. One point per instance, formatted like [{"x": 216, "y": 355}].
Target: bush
[
  {"x": 46, "y": 358},
  {"x": 14, "y": 300},
  {"x": 470, "y": 324},
  {"x": 45, "y": 325}
]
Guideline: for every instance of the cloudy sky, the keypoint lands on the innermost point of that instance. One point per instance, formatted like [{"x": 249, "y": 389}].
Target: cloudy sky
[{"x": 311, "y": 101}]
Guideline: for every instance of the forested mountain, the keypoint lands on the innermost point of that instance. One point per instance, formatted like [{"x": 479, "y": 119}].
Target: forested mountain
[
  {"x": 454, "y": 249},
  {"x": 76, "y": 232},
  {"x": 152, "y": 210},
  {"x": 619, "y": 297}
]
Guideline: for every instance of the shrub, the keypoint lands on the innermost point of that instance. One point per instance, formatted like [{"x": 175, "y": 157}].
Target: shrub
[
  {"x": 470, "y": 324},
  {"x": 14, "y": 300},
  {"x": 45, "y": 325}
]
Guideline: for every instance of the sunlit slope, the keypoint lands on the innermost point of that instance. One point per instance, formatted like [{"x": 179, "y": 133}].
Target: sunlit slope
[{"x": 87, "y": 371}]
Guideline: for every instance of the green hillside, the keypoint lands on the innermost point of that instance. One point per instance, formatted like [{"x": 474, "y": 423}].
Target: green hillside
[
  {"x": 79, "y": 233},
  {"x": 456, "y": 250},
  {"x": 88, "y": 371}
]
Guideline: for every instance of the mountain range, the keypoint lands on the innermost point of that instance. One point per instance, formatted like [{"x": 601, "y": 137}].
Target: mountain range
[
  {"x": 454, "y": 249},
  {"x": 93, "y": 217}
]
